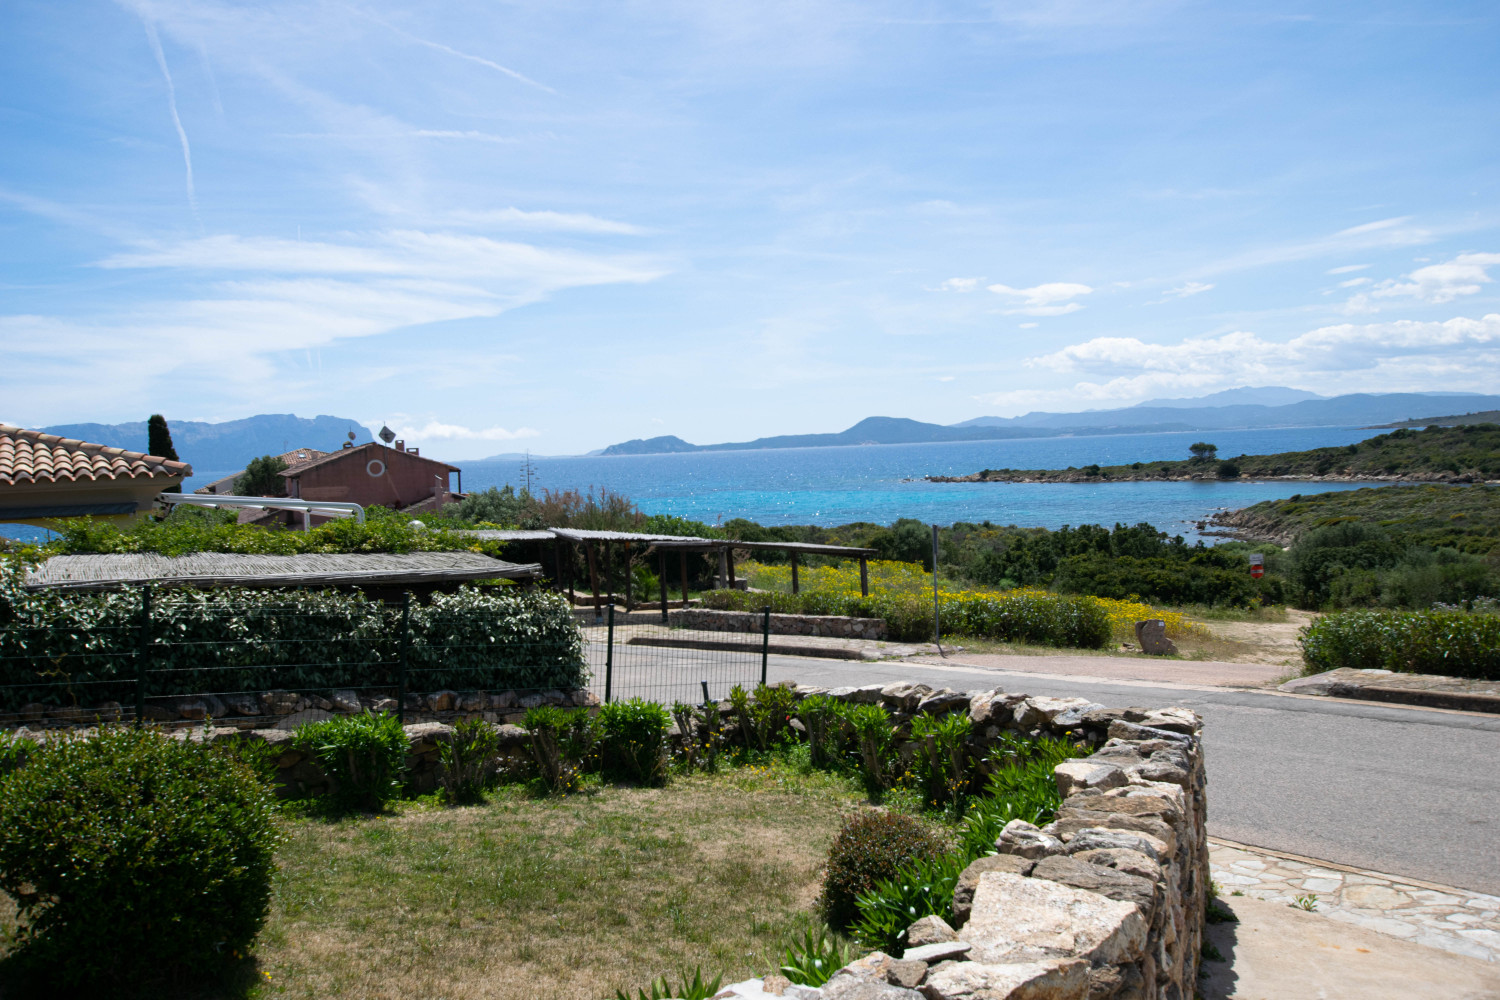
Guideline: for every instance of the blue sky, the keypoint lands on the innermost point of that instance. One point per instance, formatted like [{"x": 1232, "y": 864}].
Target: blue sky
[{"x": 559, "y": 225}]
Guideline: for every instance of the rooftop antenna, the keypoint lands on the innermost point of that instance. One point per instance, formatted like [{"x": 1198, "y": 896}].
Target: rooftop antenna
[{"x": 386, "y": 434}]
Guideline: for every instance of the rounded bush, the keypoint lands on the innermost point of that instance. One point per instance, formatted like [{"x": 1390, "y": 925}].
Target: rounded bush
[
  {"x": 134, "y": 858},
  {"x": 869, "y": 848}
]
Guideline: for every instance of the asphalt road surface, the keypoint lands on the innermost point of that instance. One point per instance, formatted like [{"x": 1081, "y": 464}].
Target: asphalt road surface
[{"x": 1405, "y": 791}]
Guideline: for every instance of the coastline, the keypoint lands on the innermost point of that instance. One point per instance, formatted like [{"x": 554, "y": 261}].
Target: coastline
[{"x": 1080, "y": 476}]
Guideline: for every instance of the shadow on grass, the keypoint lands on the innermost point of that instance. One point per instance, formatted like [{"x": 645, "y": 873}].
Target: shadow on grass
[{"x": 21, "y": 978}]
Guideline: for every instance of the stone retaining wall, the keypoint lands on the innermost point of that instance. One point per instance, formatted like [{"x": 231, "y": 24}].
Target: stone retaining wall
[
  {"x": 837, "y": 626},
  {"x": 1104, "y": 903}
]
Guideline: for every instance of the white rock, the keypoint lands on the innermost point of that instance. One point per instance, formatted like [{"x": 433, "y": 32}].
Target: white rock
[
  {"x": 1024, "y": 840},
  {"x": 1076, "y": 775},
  {"x": 1019, "y": 919},
  {"x": 1049, "y": 979}
]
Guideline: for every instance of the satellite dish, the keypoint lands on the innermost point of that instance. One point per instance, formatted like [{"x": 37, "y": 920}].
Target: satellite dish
[
  {"x": 351, "y": 435},
  {"x": 386, "y": 434}
]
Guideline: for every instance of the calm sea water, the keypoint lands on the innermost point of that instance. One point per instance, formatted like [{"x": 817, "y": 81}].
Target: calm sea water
[{"x": 881, "y": 483}]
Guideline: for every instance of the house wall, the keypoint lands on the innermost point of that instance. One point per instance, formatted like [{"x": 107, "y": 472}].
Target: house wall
[{"x": 403, "y": 479}]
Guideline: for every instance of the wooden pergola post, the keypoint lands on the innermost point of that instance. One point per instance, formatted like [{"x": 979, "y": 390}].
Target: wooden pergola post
[
  {"x": 794, "y": 570},
  {"x": 609, "y": 571},
  {"x": 661, "y": 579},
  {"x": 572, "y": 598},
  {"x": 682, "y": 565},
  {"x": 629, "y": 582},
  {"x": 729, "y": 556},
  {"x": 864, "y": 576},
  {"x": 723, "y": 569},
  {"x": 593, "y": 575}
]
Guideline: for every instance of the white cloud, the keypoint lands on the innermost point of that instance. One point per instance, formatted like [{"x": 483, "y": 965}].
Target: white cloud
[
  {"x": 945, "y": 378},
  {"x": 1029, "y": 326},
  {"x": 1185, "y": 290},
  {"x": 1355, "y": 282},
  {"x": 1461, "y": 353},
  {"x": 435, "y": 430},
  {"x": 515, "y": 218},
  {"x": 960, "y": 284},
  {"x": 1346, "y": 269},
  {"x": 1439, "y": 283},
  {"x": 1049, "y": 299}
]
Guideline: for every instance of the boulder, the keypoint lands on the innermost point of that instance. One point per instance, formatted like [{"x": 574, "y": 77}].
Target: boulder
[
  {"x": 930, "y": 930},
  {"x": 1122, "y": 730},
  {"x": 33, "y": 711},
  {"x": 903, "y": 696},
  {"x": 505, "y": 699},
  {"x": 1051, "y": 708},
  {"x": 287, "y": 723},
  {"x": 1151, "y": 634},
  {"x": 1048, "y": 979},
  {"x": 1020, "y": 919},
  {"x": 1100, "y": 838},
  {"x": 1122, "y": 859},
  {"x": 153, "y": 713},
  {"x": 1107, "y": 882},
  {"x": 963, "y": 889},
  {"x": 242, "y": 704},
  {"x": 531, "y": 701},
  {"x": 192, "y": 708},
  {"x": 942, "y": 951},
  {"x": 942, "y": 702},
  {"x": 472, "y": 701},
  {"x": 842, "y": 987},
  {"x": 346, "y": 701},
  {"x": 424, "y": 737},
  {"x": 1158, "y": 806},
  {"x": 442, "y": 701},
  {"x": 1025, "y": 840},
  {"x": 1074, "y": 717},
  {"x": 383, "y": 705},
  {"x": 1070, "y": 821},
  {"x": 512, "y": 736},
  {"x": 877, "y": 976},
  {"x": 279, "y": 702},
  {"x": 1075, "y": 775}
]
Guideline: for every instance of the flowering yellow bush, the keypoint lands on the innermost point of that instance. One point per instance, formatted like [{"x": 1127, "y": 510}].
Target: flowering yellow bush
[{"x": 830, "y": 589}]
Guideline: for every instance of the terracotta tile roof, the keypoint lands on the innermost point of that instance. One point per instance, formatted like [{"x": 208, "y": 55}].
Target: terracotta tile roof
[{"x": 34, "y": 457}]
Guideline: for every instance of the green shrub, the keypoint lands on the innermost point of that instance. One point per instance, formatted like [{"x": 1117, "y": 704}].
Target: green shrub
[
  {"x": 942, "y": 762},
  {"x": 920, "y": 889},
  {"x": 363, "y": 755},
  {"x": 633, "y": 737},
  {"x": 466, "y": 761},
  {"x": 134, "y": 858},
  {"x": 687, "y": 988},
  {"x": 874, "y": 738},
  {"x": 15, "y": 751},
  {"x": 869, "y": 847},
  {"x": 823, "y": 718},
  {"x": 1164, "y": 581},
  {"x": 561, "y": 740},
  {"x": 250, "y": 640},
  {"x": 1455, "y": 643}
]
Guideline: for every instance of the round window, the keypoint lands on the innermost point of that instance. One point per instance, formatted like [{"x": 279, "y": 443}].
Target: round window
[{"x": 375, "y": 467}]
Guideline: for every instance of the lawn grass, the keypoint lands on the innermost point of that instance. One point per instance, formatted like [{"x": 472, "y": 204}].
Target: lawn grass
[{"x": 564, "y": 897}]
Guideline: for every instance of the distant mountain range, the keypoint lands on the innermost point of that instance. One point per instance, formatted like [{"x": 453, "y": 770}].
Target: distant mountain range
[
  {"x": 230, "y": 445},
  {"x": 1234, "y": 409}
]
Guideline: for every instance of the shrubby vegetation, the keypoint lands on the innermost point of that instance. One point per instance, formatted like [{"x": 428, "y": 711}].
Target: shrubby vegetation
[
  {"x": 298, "y": 640},
  {"x": 134, "y": 858},
  {"x": 1454, "y": 643}
]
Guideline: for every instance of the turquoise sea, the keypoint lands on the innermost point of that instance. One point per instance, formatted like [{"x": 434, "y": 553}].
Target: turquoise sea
[{"x": 881, "y": 483}]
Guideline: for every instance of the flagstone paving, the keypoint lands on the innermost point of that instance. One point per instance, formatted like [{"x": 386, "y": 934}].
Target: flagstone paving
[{"x": 1454, "y": 920}]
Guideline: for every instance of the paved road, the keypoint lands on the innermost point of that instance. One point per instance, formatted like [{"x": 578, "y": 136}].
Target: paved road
[
  {"x": 1400, "y": 790},
  {"x": 1407, "y": 791}
]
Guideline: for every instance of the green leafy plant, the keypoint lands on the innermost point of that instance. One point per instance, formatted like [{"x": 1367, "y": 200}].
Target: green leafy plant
[
  {"x": 917, "y": 890},
  {"x": 762, "y": 717},
  {"x": 363, "y": 755},
  {"x": 823, "y": 719},
  {"x": 696, "y": 988},
  {"x": 943, "y": 759},
  {"x": 812, "y": 958},
  {"x": 466, "y": 761},
  {"x": 15, "y": 751},
  {"x": 1308, "y": 902},
  {"x": 633, "y": 734},
  {"x": 262, "y": 478},
  {"x": 872, "y": 732},
  {"x": 1456, "y": 643},
  {"x": 871, "y": 846},
  {"x": 134, "y": 858}
]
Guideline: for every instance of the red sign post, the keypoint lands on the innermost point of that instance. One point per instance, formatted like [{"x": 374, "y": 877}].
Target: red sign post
[{"x": 1257, "y": 565}]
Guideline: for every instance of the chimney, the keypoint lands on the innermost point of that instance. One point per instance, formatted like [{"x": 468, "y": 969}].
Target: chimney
[
  {"x": 400, "y": 445},
  {"x": 411, "y": 451},
  {"x": 348, "y": 444}
]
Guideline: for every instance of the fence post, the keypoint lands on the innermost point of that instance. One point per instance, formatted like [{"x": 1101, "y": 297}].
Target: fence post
[
  {"x": 937, "y": 630},
  {"x": 662, "y": 565},
  {"x": 401, "y": 662},
  {"x": 609, "y": 656},
  {"x": 765, "y": 640},
  {"x": 143, "y": 655}
]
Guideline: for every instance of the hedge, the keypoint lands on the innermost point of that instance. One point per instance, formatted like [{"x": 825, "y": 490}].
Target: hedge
[
  {"x": 55, "y": 648},
  {"x": 1454, "y": 643},
  {"x": 1021, "y": 616}
]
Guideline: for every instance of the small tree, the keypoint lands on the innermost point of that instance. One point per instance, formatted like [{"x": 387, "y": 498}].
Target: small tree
[
  {"x": 159, "y": 442},
  {"x": 1203, "y": 451},
  {"x": 262, "y": 478}
]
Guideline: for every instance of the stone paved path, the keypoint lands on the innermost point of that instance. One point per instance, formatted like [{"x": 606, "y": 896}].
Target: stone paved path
[{"x": 1454, "y": 920}]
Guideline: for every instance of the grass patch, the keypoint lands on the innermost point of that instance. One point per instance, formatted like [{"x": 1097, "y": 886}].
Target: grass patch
[{"x": 571, "y": 897}]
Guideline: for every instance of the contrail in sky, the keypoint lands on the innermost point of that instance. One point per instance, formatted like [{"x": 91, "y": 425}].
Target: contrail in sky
[
  {"x": 187, "y": 151},
  {"x": 454, "y": 52}
]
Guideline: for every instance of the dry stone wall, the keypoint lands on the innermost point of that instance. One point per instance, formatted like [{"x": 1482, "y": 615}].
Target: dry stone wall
[
  {"x": 1104, "y": 903},
  {"x": 748, "y": 621}
]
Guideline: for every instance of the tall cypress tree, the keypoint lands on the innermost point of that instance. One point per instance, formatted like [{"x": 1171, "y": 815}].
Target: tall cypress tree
[{"x": 159, "y": 442}]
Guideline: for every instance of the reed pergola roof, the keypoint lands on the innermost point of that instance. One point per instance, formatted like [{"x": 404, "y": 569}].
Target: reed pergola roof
[{"x": 113, "y": 570}]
